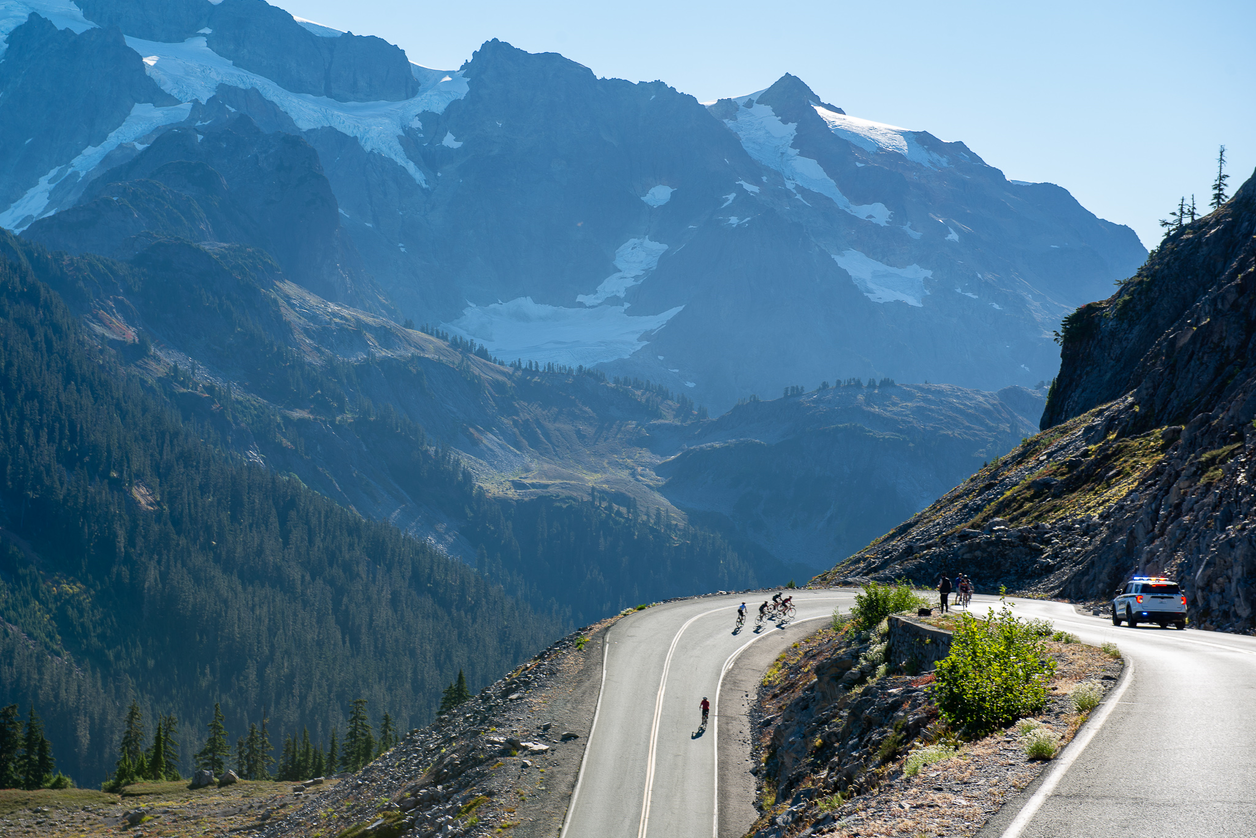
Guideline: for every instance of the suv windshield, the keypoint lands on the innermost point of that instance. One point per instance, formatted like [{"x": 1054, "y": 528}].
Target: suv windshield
[{"x": 1162, "y": 590}]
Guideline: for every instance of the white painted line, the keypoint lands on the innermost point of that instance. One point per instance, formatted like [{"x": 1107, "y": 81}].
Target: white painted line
[
  {"x": 658, "y": 712},
  {"x": 1071, "y": 753},
  {"x": 715, "y": 725},
  {"x": 588, "y": 743}
]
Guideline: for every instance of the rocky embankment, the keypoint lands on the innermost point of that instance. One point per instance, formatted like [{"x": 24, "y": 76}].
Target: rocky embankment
[
  {"x": 503, "y": 762},
  {"x": 1149, "y": 460},
  {"x": 839, "y": 730}
]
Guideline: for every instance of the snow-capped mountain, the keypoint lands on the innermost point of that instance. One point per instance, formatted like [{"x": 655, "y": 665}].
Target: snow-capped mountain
[{"x": 524, "y": 203}]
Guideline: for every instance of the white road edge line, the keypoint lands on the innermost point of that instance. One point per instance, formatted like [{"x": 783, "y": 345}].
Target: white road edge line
[
  {"x": 658, "y": 713},
  {"x": 715, "y": 725},
  {"x": 575, "y": 793},
  {"x": 1072, "y": 752}
]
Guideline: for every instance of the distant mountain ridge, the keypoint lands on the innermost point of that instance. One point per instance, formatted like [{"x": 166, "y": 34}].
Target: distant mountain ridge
[{"x": 527, "y": 205}]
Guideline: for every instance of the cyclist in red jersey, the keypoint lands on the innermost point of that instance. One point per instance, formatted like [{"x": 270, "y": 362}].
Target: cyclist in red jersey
[{"x": 706, "y": 708}]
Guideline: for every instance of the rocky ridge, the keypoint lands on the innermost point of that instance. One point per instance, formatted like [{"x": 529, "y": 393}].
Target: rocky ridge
[{"x": 1156, "y": 480}]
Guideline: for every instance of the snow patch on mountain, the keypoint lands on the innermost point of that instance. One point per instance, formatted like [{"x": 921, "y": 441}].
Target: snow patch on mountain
[
  {"x": 951, "y": 236},
  {"x": 449, "y": 141},
  {"x": 634, "y": 258},
  {"x": 63, "y": 14},
  {"x": 317, "y": 28},
  {"x": 523, "y": 329},
  {"x": 877, "y": 136},
  {"x": 142, "y": 120},
  {"x": 658, "y": 196},
  {"x": 749, "y": 187},
  {"x": 192, "y": 71},
  {"x": 882, "y": 283},
  {"x": 770, "y": 141}
]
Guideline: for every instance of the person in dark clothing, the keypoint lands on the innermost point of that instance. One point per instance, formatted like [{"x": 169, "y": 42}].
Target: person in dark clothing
[{"x": 944, "y": 591}]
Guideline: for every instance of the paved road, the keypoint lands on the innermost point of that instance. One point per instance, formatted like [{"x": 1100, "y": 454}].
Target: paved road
[
  {"x": 1177, "y": 753},
  {"x": 648, "y": 771}
]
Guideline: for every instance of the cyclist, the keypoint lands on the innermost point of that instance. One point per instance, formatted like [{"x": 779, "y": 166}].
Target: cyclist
[
  {"x": 706, "y": 708},
  {"x": 763, "y": 611},
  {"x": 741, "y": 615}
]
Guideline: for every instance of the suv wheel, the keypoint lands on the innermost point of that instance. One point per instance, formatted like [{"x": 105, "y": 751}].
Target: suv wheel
[
  {"x": 1116, "y": 617},
  {"x": 1181, "y": 625},
  {"x": 1129, "y": 617}
]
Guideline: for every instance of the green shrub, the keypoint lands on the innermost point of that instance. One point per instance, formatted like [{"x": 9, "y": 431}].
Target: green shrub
[
  {"x": 1040, "y": 628},
  {"x": 1041, "y": 743},
  {"x": 1065, "y": 637},
  {"x": 1087, "y": 697},
  {"x": 880, "y": 601},
  {"x": 1111, "y": 650},
  {"x": 840, "y": 620},
  {"x": 997, "y": 672},
  {"x": 928, "y": 755}
]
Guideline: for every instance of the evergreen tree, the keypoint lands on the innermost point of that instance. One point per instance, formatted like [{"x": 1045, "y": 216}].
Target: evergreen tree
[
  {"x": 1218, "y": 185},
  {"x": 1191, "y": 210},
  {"x": 241, "y": 760},
  {"x": 214, "y": 755},
  {"x": 305, "y": 760},
  {"x": 1177, "y": 218},
  {"x": 388, "y": 733},
  {"x": 10, "y": 747},
  {"x": 170, "y": 747},
  {"x": 37, "y": 762},
  {"x": 455, "y": 693},
  {"x": 333, "y": 752},
  {"x": 156, "y": 757},
  {"x": 255, "y": 756},
  {"x": 359, "y": 741},
  {"x": 132, "y": 747},
  {"x": 288, "y": 759}
]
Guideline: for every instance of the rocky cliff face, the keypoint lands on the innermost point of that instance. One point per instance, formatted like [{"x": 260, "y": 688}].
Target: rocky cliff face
[
  {"x": 1155, "y": 477},
  {"x": 523, "y": 203}
]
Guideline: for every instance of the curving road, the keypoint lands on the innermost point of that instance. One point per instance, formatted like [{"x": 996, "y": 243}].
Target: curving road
[
  {"x": 1171, "y": 752},
  {"x": 648, "y": 772}
]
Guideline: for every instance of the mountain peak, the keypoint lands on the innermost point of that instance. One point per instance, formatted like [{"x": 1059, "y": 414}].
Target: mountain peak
[{"x": 789, "y": 89}]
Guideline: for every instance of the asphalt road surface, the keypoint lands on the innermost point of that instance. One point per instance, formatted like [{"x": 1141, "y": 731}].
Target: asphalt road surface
[
  {"x": 649, "y": 770},
  {"x": 1174, "y": 750}
]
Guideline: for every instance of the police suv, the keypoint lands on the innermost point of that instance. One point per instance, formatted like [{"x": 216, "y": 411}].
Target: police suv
[{"x": 1150, "y": 599}]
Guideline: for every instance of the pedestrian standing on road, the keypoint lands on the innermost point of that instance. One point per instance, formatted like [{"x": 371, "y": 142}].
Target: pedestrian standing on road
[{"x": 944, "y": 591}]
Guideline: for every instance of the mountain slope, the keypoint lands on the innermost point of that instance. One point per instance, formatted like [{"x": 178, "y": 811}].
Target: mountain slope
[
  {"x": 1155, "y": 476},
  {"x": 524, "y": 204},
  {"x": 137, "y": 562}
]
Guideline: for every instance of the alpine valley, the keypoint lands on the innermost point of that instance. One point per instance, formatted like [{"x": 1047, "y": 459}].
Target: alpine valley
[{"x": 315, "y": 355}]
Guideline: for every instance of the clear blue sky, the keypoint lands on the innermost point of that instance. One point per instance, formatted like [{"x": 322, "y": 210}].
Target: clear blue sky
[{"x": 1122, "y": 103}]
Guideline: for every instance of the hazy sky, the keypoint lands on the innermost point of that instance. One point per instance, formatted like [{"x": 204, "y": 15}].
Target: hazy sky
[{"x": 1122, "y": 103}]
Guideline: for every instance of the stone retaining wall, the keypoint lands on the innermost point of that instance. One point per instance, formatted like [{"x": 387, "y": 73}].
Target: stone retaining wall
[{"x": 911, "y": 639}]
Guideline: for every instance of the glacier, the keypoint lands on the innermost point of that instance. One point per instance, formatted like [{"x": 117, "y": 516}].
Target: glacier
[
  {"x": 192, "y": 71},
  {"x": 62, "y": 14},
  {"x": 770, "y": 141},
  {"x": 143, "y": 119},
  {"x": 524, "y": 329},
  {"x": 634, "y": 258},
  {"x": 877, "y": 136},
  {"x": 882, "y": 283}
]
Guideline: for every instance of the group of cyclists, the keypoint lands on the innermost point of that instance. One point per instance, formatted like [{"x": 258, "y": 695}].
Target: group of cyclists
[
  {"x": 962, "y": 588},
  {"x": 780, "y": 607}
]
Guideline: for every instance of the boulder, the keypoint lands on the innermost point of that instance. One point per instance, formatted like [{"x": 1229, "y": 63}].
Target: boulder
[
  {"x": 202, "y": 778},
  {"x": 228, "y": 778}
]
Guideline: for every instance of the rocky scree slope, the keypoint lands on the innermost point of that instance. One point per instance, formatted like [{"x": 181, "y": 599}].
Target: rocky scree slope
[
  {"x": 1154, "y": 477},
  {"x": 767, "y": 241}
]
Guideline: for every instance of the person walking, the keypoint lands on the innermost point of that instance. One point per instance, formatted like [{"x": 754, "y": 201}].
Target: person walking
[{"x": 944, "y": 591}]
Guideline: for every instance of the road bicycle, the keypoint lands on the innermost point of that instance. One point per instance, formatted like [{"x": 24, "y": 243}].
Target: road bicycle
[
  {"x": 788, "y": 611},
  {"x": 741, "y": 619}
]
